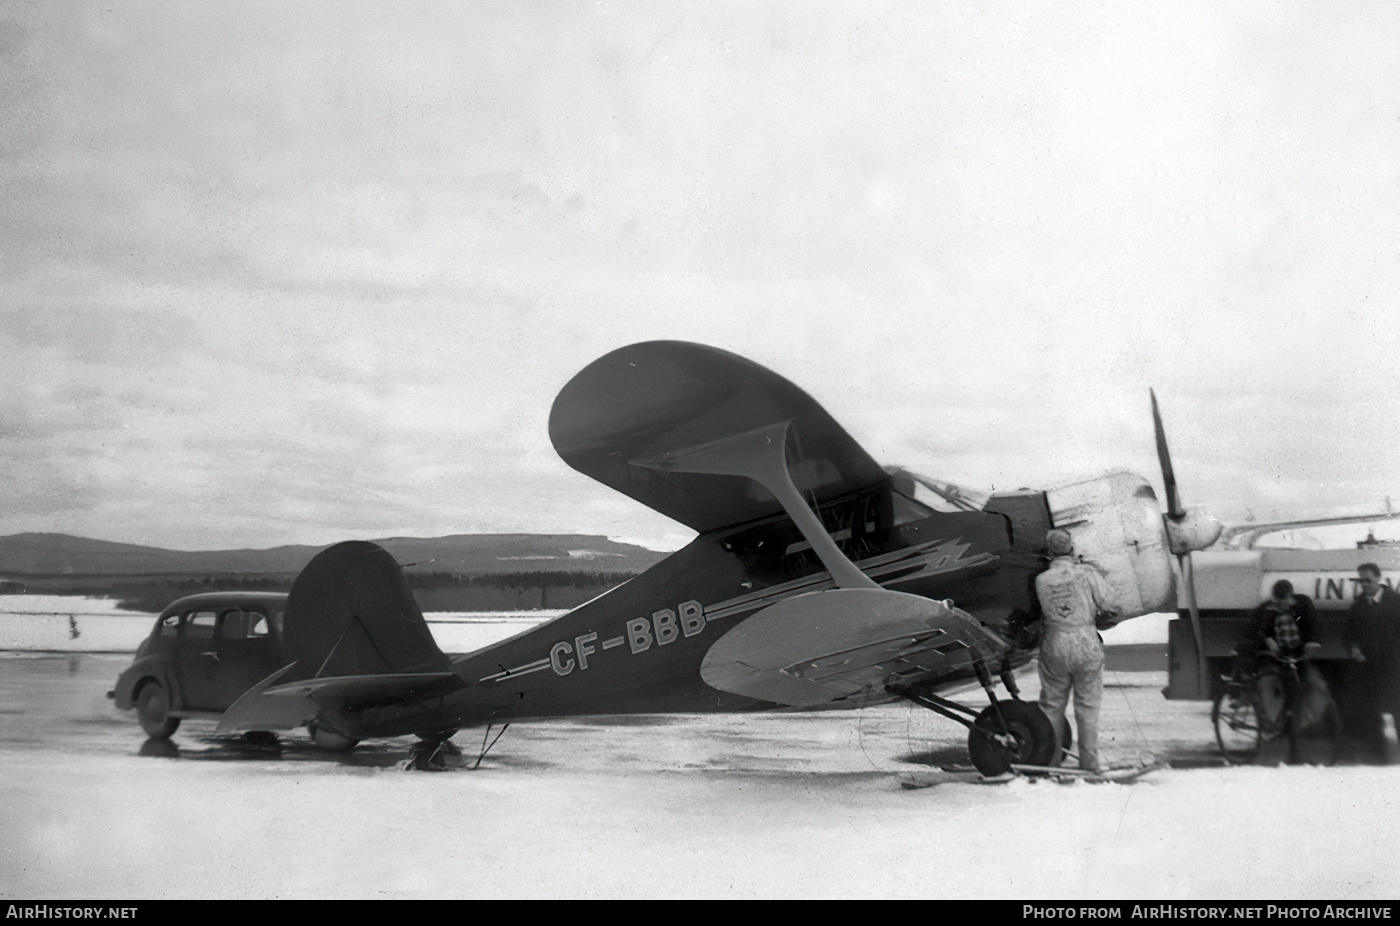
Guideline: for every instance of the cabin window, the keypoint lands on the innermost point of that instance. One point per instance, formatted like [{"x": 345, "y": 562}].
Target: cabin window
[
  {"x": 937, "y": 495},
  {"x": 904, "y": 510},
  {"x": 946, "y": 497},
  {"x": 170, "y": 625},
  {"x": 257, "y": 624},
  {"x": 860, "y": 526},
  {"x": 199, "y": 625},
  {"x": 234, "y": 625},
  {"x": 766, "y": 550}
]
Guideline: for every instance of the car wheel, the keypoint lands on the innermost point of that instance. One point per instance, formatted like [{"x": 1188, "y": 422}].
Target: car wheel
[{"x": 153, "y": 710}]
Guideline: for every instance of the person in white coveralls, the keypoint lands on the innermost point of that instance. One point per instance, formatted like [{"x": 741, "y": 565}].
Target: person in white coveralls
[{"x": 1074, "y": 598}]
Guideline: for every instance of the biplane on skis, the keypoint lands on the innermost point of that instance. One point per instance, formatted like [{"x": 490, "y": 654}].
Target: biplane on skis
[{"x": 818, "y": 580}]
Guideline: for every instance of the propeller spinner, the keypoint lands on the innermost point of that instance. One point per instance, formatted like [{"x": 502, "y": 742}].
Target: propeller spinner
[{"x": 1187, "y": 530}]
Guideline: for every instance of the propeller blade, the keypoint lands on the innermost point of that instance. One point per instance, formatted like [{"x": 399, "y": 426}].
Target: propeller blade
[
  {"x": 1174, "y": 508},
  {"x": 1194, "y": 533},
  {"x": 1188, "y": 575}
]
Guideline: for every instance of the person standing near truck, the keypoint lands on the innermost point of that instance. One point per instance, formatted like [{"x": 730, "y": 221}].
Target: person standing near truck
[
  {"x": 1073, "y": 597},
  {"x": 1374, "y": 626}
]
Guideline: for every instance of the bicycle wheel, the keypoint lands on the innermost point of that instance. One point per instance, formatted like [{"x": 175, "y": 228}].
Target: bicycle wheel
[{"x": 1235, "y": 715}]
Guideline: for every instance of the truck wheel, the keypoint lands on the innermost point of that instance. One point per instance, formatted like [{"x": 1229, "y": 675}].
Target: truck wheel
[
  {"x": 1027, "y": 739},
  {"x": 153, "y": 710}
]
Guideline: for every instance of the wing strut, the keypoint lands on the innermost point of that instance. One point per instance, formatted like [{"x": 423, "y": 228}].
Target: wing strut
[{"x": 761, "y": 455}]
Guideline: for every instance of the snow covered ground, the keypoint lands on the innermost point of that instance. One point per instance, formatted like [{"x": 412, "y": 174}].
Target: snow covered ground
[
  {"x": 48, "y": 622},
  {"x": 773, "y": 805},
  {"x": 767, "y": 805}
]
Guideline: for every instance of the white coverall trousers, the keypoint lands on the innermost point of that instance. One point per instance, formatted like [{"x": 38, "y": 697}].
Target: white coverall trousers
[
  {"x": 1065, "y": 663},
  {"x": 1071, "y": 595}
]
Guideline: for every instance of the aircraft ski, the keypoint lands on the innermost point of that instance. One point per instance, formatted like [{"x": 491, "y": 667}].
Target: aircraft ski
[
  {"x": 912, "y": 781},
  {"x": 1067, "y": 773}
]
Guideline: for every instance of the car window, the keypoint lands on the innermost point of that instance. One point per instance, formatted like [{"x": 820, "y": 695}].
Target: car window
[
  {"x": 169, "y": 626},
  {"x": 199, "y": 625},
  {"x": 257, "y": 624},
  {"x": 234, "y": 625},
  {"x": 277, "y": 621}
]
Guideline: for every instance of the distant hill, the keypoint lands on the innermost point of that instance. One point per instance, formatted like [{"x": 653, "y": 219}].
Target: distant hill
[{"x": 39, "y": 555}]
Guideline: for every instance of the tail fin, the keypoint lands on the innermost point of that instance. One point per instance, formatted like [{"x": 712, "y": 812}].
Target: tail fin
[{"x": 350, "y": 612}]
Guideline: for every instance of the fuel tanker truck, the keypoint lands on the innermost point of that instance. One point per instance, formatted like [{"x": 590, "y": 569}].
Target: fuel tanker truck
[{"x": 1231, "y": 581}]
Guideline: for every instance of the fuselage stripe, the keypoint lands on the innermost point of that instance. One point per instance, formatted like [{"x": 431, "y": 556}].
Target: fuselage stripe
[{"x": 526, "y": 669}]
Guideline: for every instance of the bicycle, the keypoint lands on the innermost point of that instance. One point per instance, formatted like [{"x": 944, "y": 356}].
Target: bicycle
[{"x": 1257, "y": 708}]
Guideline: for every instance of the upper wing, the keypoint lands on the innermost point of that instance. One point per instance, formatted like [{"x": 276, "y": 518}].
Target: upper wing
[
  {"x": 1242, "y": 536},
  {"x": 648, "y": 400},
  {"x": 845, "y": 643}
]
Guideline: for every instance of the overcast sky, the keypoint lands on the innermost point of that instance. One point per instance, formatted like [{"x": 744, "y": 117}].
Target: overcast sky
[{"x": 294, "y": 273}]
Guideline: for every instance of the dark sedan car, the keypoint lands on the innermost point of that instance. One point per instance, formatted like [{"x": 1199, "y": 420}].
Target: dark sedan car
[{"x": 203, "y": 654}]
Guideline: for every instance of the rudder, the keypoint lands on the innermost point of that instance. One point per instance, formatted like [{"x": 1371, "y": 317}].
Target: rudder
[{"x": 350, "y": 612}]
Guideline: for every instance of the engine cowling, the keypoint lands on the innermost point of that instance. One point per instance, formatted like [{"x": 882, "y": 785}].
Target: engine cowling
[{"x": 1117, "y": 525}]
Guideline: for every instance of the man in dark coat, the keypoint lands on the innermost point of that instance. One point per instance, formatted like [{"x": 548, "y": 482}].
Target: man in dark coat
[
  {"x": 1284, "y": 624},
  {"x": 1374, "y": 627},
  {"x": 1287, "y": 619}
]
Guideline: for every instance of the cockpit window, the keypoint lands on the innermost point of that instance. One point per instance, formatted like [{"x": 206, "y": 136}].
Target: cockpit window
[{"x": 937, "y": 494}]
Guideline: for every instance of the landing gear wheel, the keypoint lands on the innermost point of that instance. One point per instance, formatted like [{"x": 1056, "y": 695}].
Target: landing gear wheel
[
  {"x": 430, "y": 755},
  {"x": 1028, "y": 738},
  {"x": 153, "y": 711},
  {"x": 442, "y": 742},
  {"x": 329, "y": 740}
]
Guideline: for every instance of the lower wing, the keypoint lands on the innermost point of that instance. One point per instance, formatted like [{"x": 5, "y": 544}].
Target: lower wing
[{"x": 846, "y": 645}]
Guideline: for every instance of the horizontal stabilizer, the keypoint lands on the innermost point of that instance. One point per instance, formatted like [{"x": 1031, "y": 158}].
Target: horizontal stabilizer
[
  {"x": 362, "y": 689},
  {"x": 827, "y": 646},
  {"x": 269, "y": 705},
  {"x": 257, "y": 710}
]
